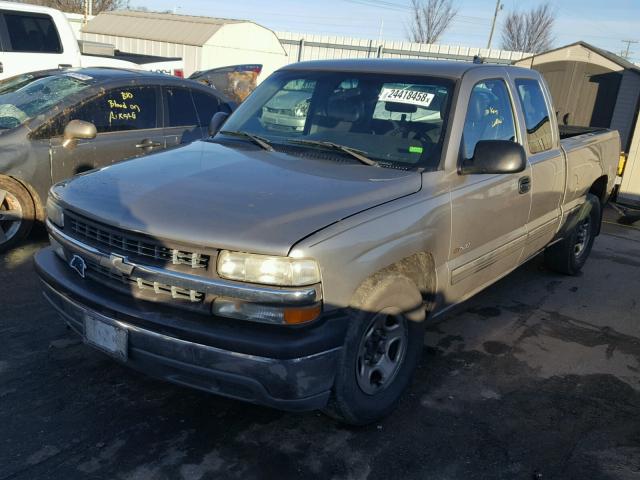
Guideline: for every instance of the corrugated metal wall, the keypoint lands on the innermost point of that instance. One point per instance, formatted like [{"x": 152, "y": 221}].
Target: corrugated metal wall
[
  {"x": 626, "y": 107},
  {"x": 630, "y": 188},
  {"x": 320, "y": 47}
]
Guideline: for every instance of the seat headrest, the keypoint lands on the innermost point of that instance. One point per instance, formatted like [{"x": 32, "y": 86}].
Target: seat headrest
[{"x": 345, "y": 109}]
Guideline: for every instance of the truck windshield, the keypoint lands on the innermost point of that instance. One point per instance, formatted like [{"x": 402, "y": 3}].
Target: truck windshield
[
  {"x": 24, "y": 97},
  {"x": 393, "y": 119}
]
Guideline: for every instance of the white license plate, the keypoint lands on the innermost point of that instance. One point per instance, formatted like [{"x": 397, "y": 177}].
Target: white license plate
[{"x": 108, "y": 338}]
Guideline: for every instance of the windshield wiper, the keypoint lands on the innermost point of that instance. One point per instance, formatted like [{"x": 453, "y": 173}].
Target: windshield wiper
[
  {"x": 357, "y": 154},
  {"x": 262, "y": 142}
]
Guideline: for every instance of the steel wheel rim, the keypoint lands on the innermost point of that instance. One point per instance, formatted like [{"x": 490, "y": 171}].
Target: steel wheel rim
[
  {"x": 10, "y": 216},
  {"x": 381, "y": 351},
  {"x": 583, "y": 234}
]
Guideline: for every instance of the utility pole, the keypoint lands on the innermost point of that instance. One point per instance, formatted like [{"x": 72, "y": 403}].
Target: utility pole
[
  {"x": 499, "y": 7},
  {"x": 627, "y": 52}
]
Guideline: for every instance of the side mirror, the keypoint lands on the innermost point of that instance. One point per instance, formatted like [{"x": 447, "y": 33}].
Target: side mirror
[
  {"x": 216, "y": 122},
  {"x": 495, "y": 156},
  {"x": 76, "y": 130}
]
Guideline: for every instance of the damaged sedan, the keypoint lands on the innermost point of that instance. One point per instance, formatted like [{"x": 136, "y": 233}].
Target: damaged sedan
[{"x": 58, "y": 123}]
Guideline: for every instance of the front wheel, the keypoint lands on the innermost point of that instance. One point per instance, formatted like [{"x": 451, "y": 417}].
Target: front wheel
[
  {"x": 17, "y": 213},
  {"x": 381, "y": 351},
  {"x": 569, "y": 255}
]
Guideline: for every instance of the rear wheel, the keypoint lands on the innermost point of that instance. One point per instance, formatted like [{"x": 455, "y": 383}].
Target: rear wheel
[
  {"x": 569, "y": 255},
  {"x": 17, "y": 213},
  {"x": 381, "y": 351}
]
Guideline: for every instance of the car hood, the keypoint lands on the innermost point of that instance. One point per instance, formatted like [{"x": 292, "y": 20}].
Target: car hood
[{"x": 212, "y": 195}]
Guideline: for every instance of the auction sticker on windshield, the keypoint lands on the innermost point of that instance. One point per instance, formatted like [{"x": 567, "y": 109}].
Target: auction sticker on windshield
[{"x": 411, "y": 97}]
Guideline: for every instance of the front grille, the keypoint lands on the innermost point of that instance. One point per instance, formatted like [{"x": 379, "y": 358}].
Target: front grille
[
  {"x": 120, "y": 241},
  {"x": 98, "y": 272}
]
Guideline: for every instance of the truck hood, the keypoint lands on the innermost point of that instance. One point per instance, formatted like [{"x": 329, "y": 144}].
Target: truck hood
[{"x": 211, "y": 195}]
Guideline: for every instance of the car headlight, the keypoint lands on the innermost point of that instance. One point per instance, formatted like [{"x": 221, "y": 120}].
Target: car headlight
[
  {"x": 55, "y": 212},
  {"x": 301, "y": 110},
  {"x": 268, "y": 270}
]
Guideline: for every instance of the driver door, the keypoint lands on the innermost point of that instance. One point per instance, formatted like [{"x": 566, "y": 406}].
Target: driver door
[
  {"x": 489, "y": 211},
  {"x": 127, "y": 125}
]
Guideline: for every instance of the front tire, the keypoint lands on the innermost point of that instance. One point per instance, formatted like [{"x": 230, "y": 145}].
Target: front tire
[
  {"x": 17, "y": 213},
  {"x": 570, "y": 254},
  {"x": 382, "y": 348}
]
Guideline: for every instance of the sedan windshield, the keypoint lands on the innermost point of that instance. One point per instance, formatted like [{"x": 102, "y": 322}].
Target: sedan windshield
[
  {"x": 394, "y": 119},
  {"x": 24, "y": 97}
]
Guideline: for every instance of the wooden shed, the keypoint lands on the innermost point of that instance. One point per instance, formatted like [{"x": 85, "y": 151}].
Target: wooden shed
[{"x": 596, "y": 88}]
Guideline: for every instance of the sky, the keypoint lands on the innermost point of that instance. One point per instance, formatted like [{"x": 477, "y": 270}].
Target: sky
[{"x": 602, "y": 23}]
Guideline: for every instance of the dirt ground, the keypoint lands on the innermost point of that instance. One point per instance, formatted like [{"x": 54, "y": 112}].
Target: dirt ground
[{"x": 537, "y": 377}]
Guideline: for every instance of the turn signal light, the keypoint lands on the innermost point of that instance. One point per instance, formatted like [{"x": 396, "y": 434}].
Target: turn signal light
[{"x": 294, "y": 316}]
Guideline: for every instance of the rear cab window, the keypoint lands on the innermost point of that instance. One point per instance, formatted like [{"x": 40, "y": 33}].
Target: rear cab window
[
  {"x": 30, "y": 32},
  {"x": 536, "y": 115}
]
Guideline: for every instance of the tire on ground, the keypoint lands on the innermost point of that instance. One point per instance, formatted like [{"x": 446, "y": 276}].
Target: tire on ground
[
  {"x": 569, "y": 255},
  {"x": 14, "y": 198},
  {"x": 395, "y": 298}
]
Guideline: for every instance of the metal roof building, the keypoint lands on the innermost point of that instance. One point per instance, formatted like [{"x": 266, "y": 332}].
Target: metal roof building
[
  {"x": 202, "y": 42},
  {"x": 593, "y": 87}
]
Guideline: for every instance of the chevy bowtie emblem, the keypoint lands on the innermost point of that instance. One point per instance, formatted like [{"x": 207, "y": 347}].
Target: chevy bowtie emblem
[
  {"x": 78, "y": 264},
  {"x": 119, "y": 264}
]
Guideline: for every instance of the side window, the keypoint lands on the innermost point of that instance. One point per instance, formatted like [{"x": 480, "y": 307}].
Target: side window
[
  {"x": 489, "y": 116},
  {"x": 180, "y": 107},
  {"x": 32, "y": 33},
  {"x": 120, "y": 109},
  {"x": 536, "y": 115},
  {"x": 206, "y": 105}
]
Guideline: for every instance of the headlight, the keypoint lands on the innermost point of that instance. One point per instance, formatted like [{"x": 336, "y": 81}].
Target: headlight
[
  {"x": 55, "y": 213},
  {"x": 301, "y": 110},
  {"x": 281, "y": 271}
]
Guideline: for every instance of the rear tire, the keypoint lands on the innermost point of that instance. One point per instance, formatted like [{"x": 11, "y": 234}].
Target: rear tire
[
  {"x": 382, "y": 348},
  {"x": 17, "y": 213},
  {"x": 569, "y": 255}
]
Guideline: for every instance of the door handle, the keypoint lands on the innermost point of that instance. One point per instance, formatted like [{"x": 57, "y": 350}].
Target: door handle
[
  {"x": 148, "y": 144},
  {"x": 524, "y": 185}
]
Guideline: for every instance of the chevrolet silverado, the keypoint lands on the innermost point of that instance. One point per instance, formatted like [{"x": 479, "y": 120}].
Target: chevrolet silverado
[{"x": 297, "y": 267}]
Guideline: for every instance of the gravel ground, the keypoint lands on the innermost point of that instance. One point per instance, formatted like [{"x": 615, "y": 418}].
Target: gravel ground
[{"x": 536, "y": 377}]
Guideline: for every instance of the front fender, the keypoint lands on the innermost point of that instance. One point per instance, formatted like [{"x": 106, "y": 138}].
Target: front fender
[{"x": 352, "y": 250}]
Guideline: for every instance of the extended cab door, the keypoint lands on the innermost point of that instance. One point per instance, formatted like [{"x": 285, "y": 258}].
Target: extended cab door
[
  {"x": 128, "y": 126},
  {"x": 188, "y": 113},
  {"x": 547, "y": 161},
  {"x": 30, "y": 41},
  {"x": 489, "y": 211}
]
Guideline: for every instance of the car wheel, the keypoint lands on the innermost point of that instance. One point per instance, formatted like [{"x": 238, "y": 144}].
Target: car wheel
[
  {"x": 382, "y": 348},
  {"x": 17, "y": 213},
  {"x": 569, "y": 255}
]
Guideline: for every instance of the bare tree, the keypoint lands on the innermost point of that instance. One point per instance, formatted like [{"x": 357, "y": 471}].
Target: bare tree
[
  {"x": 77, "y": 6},
  {"x": 430, "y": 19},
  {"x": 530, "y": 31}
]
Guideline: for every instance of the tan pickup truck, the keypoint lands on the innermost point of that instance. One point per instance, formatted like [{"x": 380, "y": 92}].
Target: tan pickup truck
[{"x": 294, "y": 259}]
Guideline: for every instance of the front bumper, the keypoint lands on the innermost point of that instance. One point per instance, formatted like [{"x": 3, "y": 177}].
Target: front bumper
[{"x": 289, "y": 369}]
